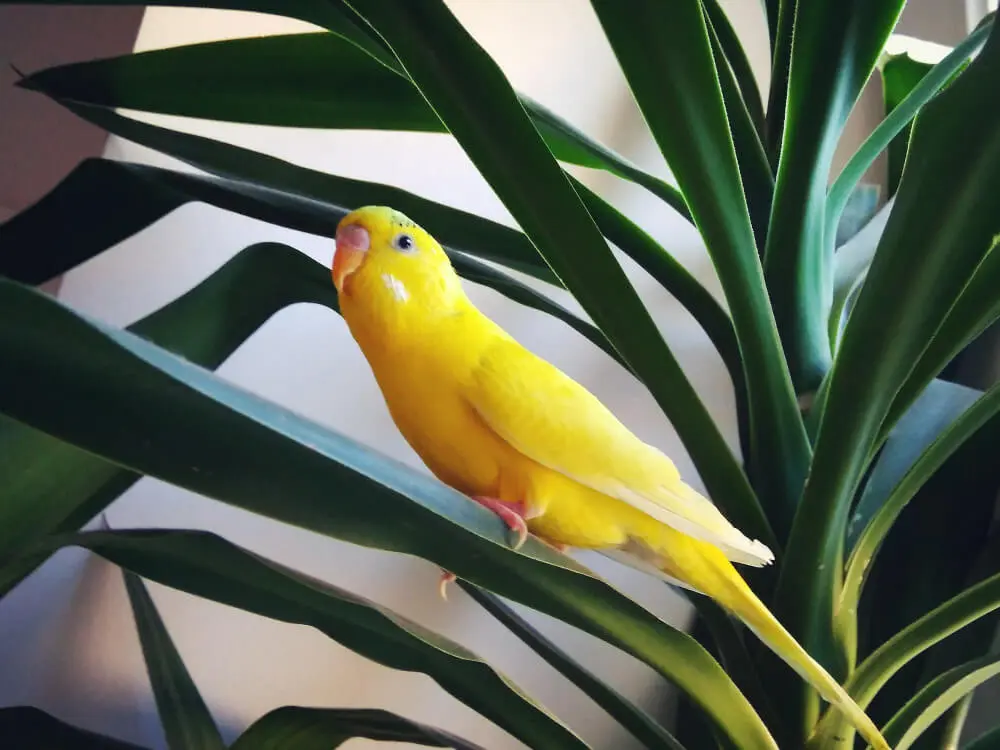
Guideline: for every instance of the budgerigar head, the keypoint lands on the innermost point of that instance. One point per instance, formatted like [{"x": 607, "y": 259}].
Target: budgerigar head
[{"x": 385, "y": 259}]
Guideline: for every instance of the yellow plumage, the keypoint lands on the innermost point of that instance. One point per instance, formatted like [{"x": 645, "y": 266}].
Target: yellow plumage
[{"x": 493, "y": 420}]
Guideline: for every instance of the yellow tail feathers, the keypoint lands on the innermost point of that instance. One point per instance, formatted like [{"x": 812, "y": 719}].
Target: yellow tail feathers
[{"x": 703, "y": 567}]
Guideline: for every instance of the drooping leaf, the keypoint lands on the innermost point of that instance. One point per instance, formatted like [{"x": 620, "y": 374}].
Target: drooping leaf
[
  {"x": 836, "y": 44},
  {"x": 641, "y": 725},
  {"x": 907, "y": 86},
  {"x": 211, "y": 437},
  {"x": 936, "y": 698},
  {"x": 187, "y": 722},
  {"x": 208, "y": 566},
  {"x": 341, "y": 80},
  {"x": 666, "y": 55},
  {"x": 300, "y": 728},
  {"x": 30, "y": 728},
  {"x": 939, "y": 229},
  {"x": 471, "y": 95},
  {"x": 989, "y": 740},
  {"x": 52, "y": 487}
]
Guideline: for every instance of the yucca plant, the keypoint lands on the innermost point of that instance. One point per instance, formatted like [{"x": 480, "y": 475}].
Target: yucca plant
[{"x": 873, "y": 478}]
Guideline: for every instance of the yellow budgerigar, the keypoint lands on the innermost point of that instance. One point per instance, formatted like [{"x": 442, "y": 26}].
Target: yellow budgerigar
[{"x": 518, "y": 436}]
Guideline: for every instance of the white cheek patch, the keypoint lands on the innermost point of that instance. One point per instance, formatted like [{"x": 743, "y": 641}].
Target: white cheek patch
[{"x": 395, "y": 286}]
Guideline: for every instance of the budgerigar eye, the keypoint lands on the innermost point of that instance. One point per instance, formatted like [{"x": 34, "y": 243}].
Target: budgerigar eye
[{"x": 404, "y": 242}]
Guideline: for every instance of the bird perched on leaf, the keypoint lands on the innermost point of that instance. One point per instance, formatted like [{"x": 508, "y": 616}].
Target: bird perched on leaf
[{"x": 518, "y": 436}]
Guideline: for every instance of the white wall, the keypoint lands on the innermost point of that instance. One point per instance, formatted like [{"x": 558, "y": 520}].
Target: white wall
[{"x": 67, "y": 636}]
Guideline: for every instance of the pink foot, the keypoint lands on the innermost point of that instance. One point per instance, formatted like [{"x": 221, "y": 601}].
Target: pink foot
[
  {"x": 446, "y": 578},
  {"x": 511, "y": 514}
]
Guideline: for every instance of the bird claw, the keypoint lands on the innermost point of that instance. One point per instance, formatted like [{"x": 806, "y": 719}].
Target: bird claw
[
  {"x": 446, "y": 577},
  {"x": 507, "y": 513}
]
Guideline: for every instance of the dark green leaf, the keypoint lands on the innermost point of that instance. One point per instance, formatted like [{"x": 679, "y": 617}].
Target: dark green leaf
[
  {"x": 187, "y": 722},
  {"x": 936, "y": 698},
  {"x": 976, "y": 308},
  {"x": 299, "y": 728},
  {"x": 345, "y": 80},
  {"x": 907, "y": 86},
  {"x": 780, "y": 21},
  {"x": 642, "y": 726},
  {"x": 987, "y": 741},
  {"x": 181, "y": 424},
  {"x": 755, "y": 170},
  {"x": 836, "y": 45},
  {"x": 666, "y": 55},
  {"x": 29, "y": 728},
  {"x": 51, "y": 487},
  {"x": 475, "y": 100},
  {"x": 737, "y": 58},
  {"x": 943, "y": 220},
  {"x": 208, "y": 566},
  {"x": 937, "y": 425},
  {"x": 875, "y": 671}
]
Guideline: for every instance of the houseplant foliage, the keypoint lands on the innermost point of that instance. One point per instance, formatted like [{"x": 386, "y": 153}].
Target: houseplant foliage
[{"x": 859, "y": 466}]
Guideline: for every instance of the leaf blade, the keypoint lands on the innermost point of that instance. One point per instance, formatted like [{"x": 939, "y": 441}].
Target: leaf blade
[{"x": 187, "y": 722}]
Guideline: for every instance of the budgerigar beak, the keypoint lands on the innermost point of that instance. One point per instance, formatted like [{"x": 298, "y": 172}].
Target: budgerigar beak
[{"x": 353, "y": 242}]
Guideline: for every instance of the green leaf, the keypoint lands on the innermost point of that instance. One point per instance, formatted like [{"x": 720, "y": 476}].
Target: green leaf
[
  {"x": 665, "y": 53},
  {"x": 300, "y": 728},
  {"x": 475, "y": 100},
  {"x": 204, "y": 434},
  {"x": 937, "y": 425},
  {"x": 754, "y": 168},
  {"x": 642, "y": 726},
  {"x": 907, "y": 86},
  {"x": 989, "y": 740},
  {"x": 51, "y": 487},
  {"x": 943, "y": 220},
  {"x": 210, "y": 567},
  {"x": 344, "y": 80},
  {"x": 737, "y": 58},
  {"x": 835, "y": 47},
  {"x": 875, "y": 671},
  {"x": 780, "y": 21},
  {"x": 187, "y": 722},
  {"x": 928, "y": 705},
  {"x": 30, "y": 728},
  {"x": 976, "y": 308}
]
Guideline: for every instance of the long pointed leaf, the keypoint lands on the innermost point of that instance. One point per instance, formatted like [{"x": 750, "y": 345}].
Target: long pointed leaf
[
  {"x": 895, "y": 122},
  {"x": 343, "y": 80},
  {"x": 453, "y": 72},
  {"x": 836, "y": 44},
  {"x": 737, "y": 58},
  {"x": 208, "y": 566},
  {"x": 942, "y": 442},
  {"x": 51, "y": 487},
  {"x": 941, "y": 225},
  {"x": 642, "y": 726},
  {"x": 936, "y": 698},
  {"x": 875, "y": 671},
  {"x": 300, "y": 728},
  {"x": 187, "y": 722},
  {"x": 208, "y": 436},
  {"x": 666, "y": 55}
]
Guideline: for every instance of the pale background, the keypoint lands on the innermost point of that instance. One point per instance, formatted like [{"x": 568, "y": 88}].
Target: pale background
[{"x": 67, "y": 641}]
